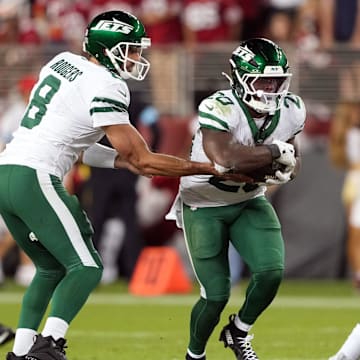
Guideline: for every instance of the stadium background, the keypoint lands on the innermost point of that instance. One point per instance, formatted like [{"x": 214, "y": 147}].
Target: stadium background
[
  {"x": 309, "y": 319},
  {"x": 310, "y": 208}
]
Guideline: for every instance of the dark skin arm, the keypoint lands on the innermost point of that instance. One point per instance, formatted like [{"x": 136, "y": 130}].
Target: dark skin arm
[
  {"x": 136, "y": 156},
  {"x": 220, "y": 148}
]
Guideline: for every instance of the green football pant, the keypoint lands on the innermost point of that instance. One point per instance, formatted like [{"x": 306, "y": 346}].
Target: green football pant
[
  {"x": 50, "y": 226},
  {"x": 254, "y": 229}
]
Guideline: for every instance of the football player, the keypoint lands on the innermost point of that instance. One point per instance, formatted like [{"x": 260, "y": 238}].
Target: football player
[
  {"x": 75, "y": 102},
  {"x": 258, "y": 109}
]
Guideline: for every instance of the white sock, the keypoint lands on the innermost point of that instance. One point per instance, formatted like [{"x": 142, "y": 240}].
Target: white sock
[
  {"x": 55, "y": 327},
  {"x": 194, "y": 356},
  {"x": 351, "y": 347},
  {"x": 24, "y": 340},
  {"x": 241, "y": 325}
]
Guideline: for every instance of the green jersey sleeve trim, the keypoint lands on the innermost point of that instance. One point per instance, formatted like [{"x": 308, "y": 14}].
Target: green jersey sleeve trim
[
  {"x": 218, "y": 121},
  {"x": 108, "y": 105},
  {"x": 110, "y": 101},
  {"x": 106, "y": 109},
  {"x": 211, "y": 127}
]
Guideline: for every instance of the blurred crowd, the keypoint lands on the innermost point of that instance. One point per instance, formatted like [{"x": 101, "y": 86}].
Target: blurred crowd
[
  {"x": 306, "y": 22},
  {"x": 176, "y": 27}
]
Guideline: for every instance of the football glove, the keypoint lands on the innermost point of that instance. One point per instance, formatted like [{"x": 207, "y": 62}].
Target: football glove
[
  {"x": 281, "y": 177},
  {"x": 287, "y": 153}
]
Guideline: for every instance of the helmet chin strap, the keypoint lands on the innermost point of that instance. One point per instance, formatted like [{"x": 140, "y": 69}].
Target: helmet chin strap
[
  {"x": 114, "y": 62},
  {"x": 229, "y": 78}
]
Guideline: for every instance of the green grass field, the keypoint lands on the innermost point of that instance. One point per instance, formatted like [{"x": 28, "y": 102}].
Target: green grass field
[{"x": 308, "y": 320}]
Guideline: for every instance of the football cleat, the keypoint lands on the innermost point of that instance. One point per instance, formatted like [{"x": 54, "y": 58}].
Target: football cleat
[
  {"x": 241, "y": 346},
  {"x": 12, "y": 356},
  {"x": 46, "y": 348},
  {"x": 6, "y": 334}
]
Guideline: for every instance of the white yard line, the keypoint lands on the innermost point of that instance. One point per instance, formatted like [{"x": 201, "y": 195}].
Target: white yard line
[{"x": 178, "y": 300}]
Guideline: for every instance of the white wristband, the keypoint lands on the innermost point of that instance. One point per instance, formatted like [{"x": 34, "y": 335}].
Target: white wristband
[
  {"x": 221, "y": 169},
  {"x": 98, "y": 155}
]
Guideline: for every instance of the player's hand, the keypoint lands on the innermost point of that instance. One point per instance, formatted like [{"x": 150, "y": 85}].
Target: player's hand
[
  {"x": 287, "y": 153},
  {"x": 231, "y": 174},
  {"x": 281, "y": 177}
]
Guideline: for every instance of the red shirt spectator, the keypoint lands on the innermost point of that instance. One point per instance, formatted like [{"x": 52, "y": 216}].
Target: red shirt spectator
[
  {"x": 28, "y": 32},
  {"x": 211, "y": 20},
  {"x": 252, "y": 21},
  {"x": 162, "y": 20},
  {"x": 99, "y": 6},
  {"x": 61, "y": 20}
]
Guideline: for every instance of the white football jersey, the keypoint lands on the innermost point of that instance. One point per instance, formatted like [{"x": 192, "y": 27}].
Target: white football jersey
[
  {"x": 69, "y": 104},
  {"x": 224, "y": 111}
]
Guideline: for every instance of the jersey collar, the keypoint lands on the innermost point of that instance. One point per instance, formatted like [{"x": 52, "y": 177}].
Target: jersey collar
[{"x": 266, "y": 129}]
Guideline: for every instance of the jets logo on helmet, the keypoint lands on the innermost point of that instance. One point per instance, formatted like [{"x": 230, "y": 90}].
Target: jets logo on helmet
[
  {"x": 113, "y": 25},
  {"x": 244, "y": 53},
  {"x": 113, "y": 38}
]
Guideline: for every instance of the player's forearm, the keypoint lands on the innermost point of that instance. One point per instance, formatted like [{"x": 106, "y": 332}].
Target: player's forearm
[
  {"x": 167, "y": 165},
  {"x": 244, "y": 159}
]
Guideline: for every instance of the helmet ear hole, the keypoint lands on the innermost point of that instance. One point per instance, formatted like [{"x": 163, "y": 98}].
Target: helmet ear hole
[{"x": 116, "y": 52}]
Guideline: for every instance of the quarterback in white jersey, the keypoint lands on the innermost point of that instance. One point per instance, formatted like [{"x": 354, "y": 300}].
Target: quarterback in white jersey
[
  {"x": 237, "y": 129},
  {"x": 55, "y": 130},
  {"x": 76, "y": 101}
]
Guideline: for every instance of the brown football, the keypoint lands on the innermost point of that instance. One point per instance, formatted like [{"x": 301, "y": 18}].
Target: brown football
[{"x": 266, "y": 172}]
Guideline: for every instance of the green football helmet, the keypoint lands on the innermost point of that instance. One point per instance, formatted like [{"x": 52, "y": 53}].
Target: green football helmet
[
  {"x": 111, "y": 37},
  {"x": 260, "y": 74}
]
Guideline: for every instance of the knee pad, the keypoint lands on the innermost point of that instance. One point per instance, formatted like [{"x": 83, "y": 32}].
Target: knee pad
[
  {"x": 214, "y": 307},
  {"x": 269, "y": 280},
  {"x": 54, "y": 275},
  {"x": 218, "y": 289},
  {"x": 87, "y": 274}
]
